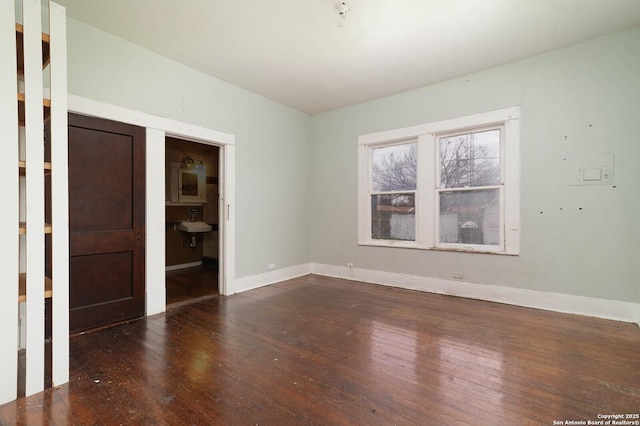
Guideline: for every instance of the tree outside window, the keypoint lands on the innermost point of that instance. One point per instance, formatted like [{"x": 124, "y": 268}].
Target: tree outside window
[{"x": 393, "y": 201}]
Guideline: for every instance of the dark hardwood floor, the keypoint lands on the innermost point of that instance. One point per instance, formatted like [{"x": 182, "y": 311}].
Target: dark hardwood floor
[
  {"x": 185, "y": 285},
  {"x": 324, "y": 351}
]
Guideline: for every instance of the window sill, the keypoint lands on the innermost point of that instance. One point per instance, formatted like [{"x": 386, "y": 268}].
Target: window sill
[{"x": 407, "y": 245}]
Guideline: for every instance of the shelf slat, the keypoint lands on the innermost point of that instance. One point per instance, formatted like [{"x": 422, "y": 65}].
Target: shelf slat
[
  {"x": 22, "y": 166},
  {"x": 22, "y": 287},
  {"x": 45, "y": 102},
  {"x": 46, "y": 108},
  {"x": 22, "y": 229},
  {"x": 20, "y": 49}
]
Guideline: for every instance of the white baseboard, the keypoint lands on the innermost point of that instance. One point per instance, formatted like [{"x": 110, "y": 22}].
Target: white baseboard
[
  {"x": 557, "y": 302},
  {"x": 267, "y": 278}
]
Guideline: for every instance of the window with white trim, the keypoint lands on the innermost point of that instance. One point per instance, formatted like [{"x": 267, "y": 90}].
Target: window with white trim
[{"x": 448, "y": 185}]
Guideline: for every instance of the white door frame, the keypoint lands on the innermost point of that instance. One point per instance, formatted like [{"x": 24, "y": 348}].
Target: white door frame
[{"x": 157, "y": 129}]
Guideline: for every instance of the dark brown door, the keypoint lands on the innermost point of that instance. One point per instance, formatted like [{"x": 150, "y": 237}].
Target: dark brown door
[{"x": 106, "y": 222}]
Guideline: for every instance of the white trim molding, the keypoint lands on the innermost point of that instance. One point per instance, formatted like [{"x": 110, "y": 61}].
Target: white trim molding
[
  {"x": 272, "y": 277},
  {"x": 34, "y": 188},
  {"x": 566, "y": 303},
  {"x": 155, "y": 295},
  {"x": 93, "y": 108},
  {"x": 9, "y": 214},
  {"x": 422, "y": 224},
  {"x": 157, "y": 129},
  {"x": 59, "y": 192},
  {"x": 556, "y": 302}
]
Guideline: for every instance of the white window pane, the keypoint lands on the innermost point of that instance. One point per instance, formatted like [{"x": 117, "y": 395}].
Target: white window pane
[
  {"x": 395, "y": 167},
  {"x": 393, "y": 217},
  {"x": 470, "y": 217},
  {"x": 471, "y": 159}
]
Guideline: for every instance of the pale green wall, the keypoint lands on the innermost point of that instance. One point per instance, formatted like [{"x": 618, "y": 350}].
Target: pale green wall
[
  {"x": 296, "y": 175},
  {"x": 272, "y": 141},
  {"x": 579, "y": 100}
]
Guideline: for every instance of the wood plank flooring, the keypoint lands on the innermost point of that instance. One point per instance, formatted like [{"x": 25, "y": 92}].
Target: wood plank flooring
[
  {"x": 184, "y": 285},
  {"x": 323, "y": 351}
]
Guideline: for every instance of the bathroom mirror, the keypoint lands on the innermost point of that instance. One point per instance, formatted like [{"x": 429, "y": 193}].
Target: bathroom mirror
[{"x": 188, "y": 185}]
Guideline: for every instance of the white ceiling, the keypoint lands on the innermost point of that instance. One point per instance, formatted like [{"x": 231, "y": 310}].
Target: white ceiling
[{"x": 292, "y": 51}]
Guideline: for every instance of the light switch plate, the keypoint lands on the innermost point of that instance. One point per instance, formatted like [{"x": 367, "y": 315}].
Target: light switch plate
[{"x": 592, "y": 169}]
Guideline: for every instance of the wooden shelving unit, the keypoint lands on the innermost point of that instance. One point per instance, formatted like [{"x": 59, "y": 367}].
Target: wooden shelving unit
[
  {"x": 46, "y": 103},
  {"x": 22, "y": 289},
  {"x": 34, "y": 122},
  {"x": 22, "y": 229},
  {"x": 22, "y": 165},
  {"x": 46, "y": 108},
  {"x": 20, "y": 49}
]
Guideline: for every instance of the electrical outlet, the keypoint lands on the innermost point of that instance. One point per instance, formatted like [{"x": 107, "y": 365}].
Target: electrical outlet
[
  {"x": 271, "y": 266},
  {"x": 350, "y": 265},
  {"x": 457, "y": 275}
]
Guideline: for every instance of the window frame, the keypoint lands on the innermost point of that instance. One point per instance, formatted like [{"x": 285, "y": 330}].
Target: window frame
[
  {"x": 427, "y": 191},
  {"x": 439, "y": 189},
  {"x": 372, "y": 192}
]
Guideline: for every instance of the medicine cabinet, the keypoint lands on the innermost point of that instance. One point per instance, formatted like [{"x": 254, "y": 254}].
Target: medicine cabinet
[{"x": 188, "y": 184}]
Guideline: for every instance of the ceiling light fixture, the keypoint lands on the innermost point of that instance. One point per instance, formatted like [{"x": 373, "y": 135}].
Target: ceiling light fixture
[{"x": 341, "y": 9}]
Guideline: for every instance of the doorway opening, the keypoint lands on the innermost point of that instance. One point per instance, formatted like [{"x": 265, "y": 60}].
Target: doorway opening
[{"x": 192, "y": 218}]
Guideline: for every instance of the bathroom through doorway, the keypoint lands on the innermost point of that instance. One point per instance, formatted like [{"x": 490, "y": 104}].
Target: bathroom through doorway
[{"x": 192, "y": 217}]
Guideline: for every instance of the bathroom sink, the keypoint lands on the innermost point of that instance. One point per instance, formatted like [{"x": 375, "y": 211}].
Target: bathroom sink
[{"x": 194, "y": 227}]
